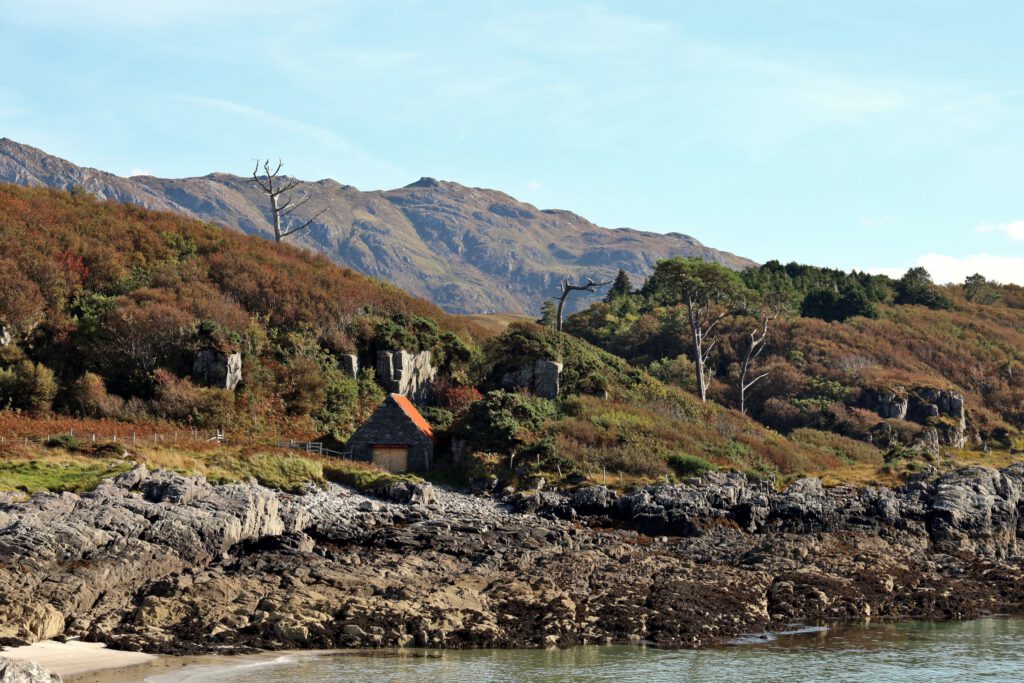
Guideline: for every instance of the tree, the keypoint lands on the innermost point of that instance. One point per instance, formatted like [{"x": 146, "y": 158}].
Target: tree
[
  {"x": 916, "y": 287},
  {"x": 281, "y": 206},
  {"x": 837, "y": 305},
  {"x": 709, "y": 292},
  {"x": 621, "y": 287},
  {"x": 568, "y": 288},
  {"x": 758, "y": 341},
  {"x": 548, "y": 312},
  {"x": 980, "y": 290}
]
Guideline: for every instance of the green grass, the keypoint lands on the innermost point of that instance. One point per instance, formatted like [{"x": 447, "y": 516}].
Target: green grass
[
  {"x": 361, "y": 476},
  {"x": 75, "y": 475},
  {"x": 285, "y": 472},
  {"x": 686, "y": 465}
]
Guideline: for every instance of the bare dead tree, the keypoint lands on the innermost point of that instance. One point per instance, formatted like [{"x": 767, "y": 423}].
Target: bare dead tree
[
  {"x": 568, "y": 288},
  {"x": 758, "y": 341},
  {"x": 281, "y": 206}
]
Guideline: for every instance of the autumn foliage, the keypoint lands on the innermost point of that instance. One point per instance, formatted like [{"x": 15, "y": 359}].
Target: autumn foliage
[{"x": 107, "y": 305}]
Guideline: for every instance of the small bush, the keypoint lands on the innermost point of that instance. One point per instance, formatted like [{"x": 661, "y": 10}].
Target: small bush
[
  {"x": 66, "y": 441},
  {"x": 686, "y": 465},
  {"x": 89, "y": 398}
]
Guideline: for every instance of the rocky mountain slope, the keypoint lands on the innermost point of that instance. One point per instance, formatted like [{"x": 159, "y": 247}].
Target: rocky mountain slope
[
  {"x": 469, "y": 250},
  {"x": 161, "y": 562}
]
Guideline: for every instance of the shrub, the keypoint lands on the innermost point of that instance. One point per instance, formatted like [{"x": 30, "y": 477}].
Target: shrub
[
  {"x": 66, "y": 441},
  {"x": 440, "y": 419},
  {"x": 88, "y": 397},
  {"x": 503, "y": 421},
  {"x": 686, "y": 465},
  {"x": 27, "y": 386},
  {"x": 179, "y": 399}
]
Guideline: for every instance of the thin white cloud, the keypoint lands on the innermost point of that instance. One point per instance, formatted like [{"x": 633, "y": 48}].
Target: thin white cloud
[
  {"x": 1013, "y": 229},
  {"x": 138, "y": 171},
  {"x": 324, "y": 137},
  {"x": 880, "y": 222},
  {"x": 533, "y": 185},
  {"x": 955, "y": 269}
]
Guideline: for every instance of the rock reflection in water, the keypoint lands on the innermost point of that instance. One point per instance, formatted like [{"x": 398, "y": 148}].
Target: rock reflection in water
[{"x": 900, "y": 652}]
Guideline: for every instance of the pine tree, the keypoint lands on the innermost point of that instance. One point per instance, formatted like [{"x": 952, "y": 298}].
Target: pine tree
[
  {"x": 548, "y": 312},
  {"x": 621, "y": 287}
]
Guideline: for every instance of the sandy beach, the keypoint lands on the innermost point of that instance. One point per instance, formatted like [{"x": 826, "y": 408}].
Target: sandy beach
[
  {"x": 79, "y": 662},
  {"x": 75, "y": 659}
]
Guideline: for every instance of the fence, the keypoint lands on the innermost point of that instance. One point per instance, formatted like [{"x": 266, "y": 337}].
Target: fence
[
  {"x": 168, "y": 438},
  {"x": 315, "y": 448},
  {"x": 134, "y": 438}
]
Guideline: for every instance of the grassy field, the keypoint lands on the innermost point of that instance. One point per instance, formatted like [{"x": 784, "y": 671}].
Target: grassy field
[
  {"x": 57, "y": 467},
  {"x": 496, "y": 323}
]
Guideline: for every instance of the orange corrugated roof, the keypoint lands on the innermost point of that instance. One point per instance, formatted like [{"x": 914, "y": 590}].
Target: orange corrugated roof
[{"x": 414, "y": 415}]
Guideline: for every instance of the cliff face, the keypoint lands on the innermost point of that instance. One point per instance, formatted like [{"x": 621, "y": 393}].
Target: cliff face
[
  {"x": 469, "y": 250},
  {"x": 166, "y": 563}
]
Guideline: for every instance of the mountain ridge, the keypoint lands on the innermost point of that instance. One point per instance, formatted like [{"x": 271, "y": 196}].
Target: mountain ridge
[{"x": 468, "y": 249}]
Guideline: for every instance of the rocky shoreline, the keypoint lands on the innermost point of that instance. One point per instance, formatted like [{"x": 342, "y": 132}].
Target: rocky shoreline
[{"x": 163, "y": 563}]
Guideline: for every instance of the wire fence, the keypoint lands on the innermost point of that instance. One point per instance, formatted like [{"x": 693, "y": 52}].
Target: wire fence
[
  {"x": 128, "y": 438},
  {"x": 170, "y": 438}
]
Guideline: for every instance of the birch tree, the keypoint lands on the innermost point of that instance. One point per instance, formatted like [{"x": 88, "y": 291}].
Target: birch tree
[{"x": 758, "y": 340}]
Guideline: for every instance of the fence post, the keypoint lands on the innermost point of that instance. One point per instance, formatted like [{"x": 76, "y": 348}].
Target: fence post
[{"x": 133, "y": 438}]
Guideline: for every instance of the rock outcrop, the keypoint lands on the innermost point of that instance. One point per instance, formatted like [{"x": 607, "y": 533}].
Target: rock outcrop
[
  {"x": 166, "y": 563},
  {"x": 5, "y": 335},
  {"x": 409, "y": 374},
  {"x": 542, "y": 378},
  {"x": 17, "y": 671},
  {"x": 216, "y": 369},
  {"x": 940, "y": 411},
  {"x": 349, "y": 363}
]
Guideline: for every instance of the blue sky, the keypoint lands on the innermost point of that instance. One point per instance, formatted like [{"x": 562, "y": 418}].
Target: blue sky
[{"x": 869, "y": 134}]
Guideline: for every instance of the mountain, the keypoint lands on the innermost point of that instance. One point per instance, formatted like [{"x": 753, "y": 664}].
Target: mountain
[{"x": 469, "y": 250}]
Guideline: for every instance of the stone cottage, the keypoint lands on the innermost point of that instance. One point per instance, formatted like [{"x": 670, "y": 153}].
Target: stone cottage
[{"x": 395, "y": 438}]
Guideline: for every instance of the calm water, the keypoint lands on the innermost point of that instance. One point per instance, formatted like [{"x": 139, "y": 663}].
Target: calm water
[{"x": 987, "y": 649}]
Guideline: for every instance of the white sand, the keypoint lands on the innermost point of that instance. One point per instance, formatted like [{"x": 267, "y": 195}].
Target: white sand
[{"x": 75, "y": 657}]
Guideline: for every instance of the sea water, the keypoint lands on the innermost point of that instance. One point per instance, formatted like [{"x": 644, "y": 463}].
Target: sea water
[{"x": 990, "y": 649}]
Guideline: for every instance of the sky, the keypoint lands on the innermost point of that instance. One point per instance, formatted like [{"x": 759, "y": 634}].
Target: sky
[{"x": 876, "y": 135}]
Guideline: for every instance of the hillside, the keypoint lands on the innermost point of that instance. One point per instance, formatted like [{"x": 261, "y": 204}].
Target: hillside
[
  {"x": 469, "y": 250},
  {"x": 875, "y": 359},
  {"x": 105, "y": 309}
]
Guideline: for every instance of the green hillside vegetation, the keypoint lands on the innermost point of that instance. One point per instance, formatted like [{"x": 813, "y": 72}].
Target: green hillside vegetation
[
  {"x": 839, "y": 337},
  {"x": 617, "y": 422}
]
